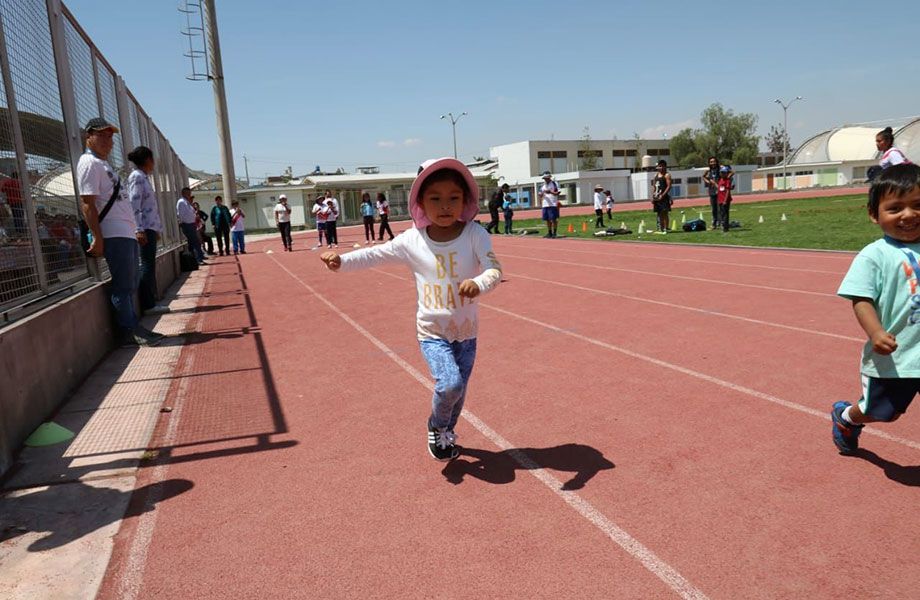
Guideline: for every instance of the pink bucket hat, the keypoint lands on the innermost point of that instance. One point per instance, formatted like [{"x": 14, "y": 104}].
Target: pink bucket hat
[{"x": 470, "y": 209}]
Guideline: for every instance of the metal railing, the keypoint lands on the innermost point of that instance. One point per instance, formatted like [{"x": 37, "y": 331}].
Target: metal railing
[{"x": 54, "y": 80}]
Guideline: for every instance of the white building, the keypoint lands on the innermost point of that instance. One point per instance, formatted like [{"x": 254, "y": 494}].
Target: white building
[{"x": 521, "y": 160}]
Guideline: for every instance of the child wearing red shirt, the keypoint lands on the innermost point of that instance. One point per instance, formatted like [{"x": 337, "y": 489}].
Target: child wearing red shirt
[{"x": 724, "y": 196}]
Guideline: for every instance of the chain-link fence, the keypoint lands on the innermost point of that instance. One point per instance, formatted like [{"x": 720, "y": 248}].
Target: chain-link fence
[{"x": 53, "y": 81}]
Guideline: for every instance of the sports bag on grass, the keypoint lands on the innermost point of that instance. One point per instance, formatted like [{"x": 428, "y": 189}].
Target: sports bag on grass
[{"x": 695, "y": 225}]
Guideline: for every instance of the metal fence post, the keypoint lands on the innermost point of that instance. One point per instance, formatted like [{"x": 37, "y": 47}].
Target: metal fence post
[
  {"x": 128, "y": 142},
  {"x": 21, "y": 166},
  {"x": 68, "y": 106}
]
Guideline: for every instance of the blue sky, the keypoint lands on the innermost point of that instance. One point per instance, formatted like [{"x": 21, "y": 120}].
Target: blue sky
[{"x": 341, "y": 84}]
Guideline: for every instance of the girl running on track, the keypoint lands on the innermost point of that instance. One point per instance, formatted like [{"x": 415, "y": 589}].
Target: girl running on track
[
  {"x": 319, "y": 214},
  {"x": 383, "y": 209},
  {"x": 452, "y": 259}
]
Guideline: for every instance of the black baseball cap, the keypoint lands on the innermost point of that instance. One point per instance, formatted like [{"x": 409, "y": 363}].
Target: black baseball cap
[{"x": 99, "y": 124}]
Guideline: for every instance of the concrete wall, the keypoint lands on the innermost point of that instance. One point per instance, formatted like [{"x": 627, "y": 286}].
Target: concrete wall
[{"x": 45, "y": 356}]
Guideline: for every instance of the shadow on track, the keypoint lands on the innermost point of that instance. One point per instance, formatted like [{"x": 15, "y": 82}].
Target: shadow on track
[
  {"x": 500, "y": 467},
  {"x": 902, "y": 474}
]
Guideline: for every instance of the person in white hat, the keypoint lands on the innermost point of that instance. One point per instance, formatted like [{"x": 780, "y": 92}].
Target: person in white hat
[
  {"x": 283, "y": 221},
  {"x": 599, "y": 200},
  {"x": 549, "y": 194},
  {"x": 453, "y": 263}
]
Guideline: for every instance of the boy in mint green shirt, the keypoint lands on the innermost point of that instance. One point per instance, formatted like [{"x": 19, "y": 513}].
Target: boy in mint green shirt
[{"x": 884, "y": 285}]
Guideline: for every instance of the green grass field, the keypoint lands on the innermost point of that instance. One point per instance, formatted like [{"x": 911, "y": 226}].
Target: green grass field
[{"x": 829, "y": 223}]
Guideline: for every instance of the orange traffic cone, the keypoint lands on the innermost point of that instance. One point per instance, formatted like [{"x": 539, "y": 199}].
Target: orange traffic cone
[
  {"x": 571, "y": 228},
  {"x": 584, "y": 226}
]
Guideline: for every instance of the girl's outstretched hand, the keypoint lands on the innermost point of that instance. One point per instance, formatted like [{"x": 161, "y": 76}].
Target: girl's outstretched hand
[
  {"x": 333, "y": 261},
  {"x": 469, "y": 289}
]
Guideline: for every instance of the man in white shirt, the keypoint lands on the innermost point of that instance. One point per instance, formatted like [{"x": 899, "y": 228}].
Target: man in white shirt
[
  {"x": 599, "y": 199},
  {"x": 188, "y": 217},
  {"x": 283, "y": 221},
  {"x": 549, "y": 194},
  {"x": 110, "y": 218}
]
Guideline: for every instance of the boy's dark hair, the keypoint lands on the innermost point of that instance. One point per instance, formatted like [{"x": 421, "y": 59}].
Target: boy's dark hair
[
  {"x": 897, "y": 181},
  {"x": 887, "y": 134},
  {"x": 381, "y": 196},
  {"x": 140, "y": 155},
  {"x": 186, "y": 189},
  {"x": 662, "y": 162},
  {"x": 445, "y": 175},
  {"x": 216, "y": 198},
  {"x": 235, "y": 203}
]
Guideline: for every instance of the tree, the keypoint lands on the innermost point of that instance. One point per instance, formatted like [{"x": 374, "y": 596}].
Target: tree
[
  {"x": 776, "y": 139},
  {"x": 730, "y": 137},
  {"x": 587, "y": 156}
]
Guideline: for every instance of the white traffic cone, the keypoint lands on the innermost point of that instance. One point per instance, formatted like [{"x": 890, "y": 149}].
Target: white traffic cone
[
  {"x": 622, "y": 224},
  {"x": 760, "y": 220},
  {"x": 783, "y": 218},
  {"x": 641, "y": 227}
]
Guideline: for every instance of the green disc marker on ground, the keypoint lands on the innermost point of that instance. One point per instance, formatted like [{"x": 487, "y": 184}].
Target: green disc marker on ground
[{"x": 49, "y": 434}]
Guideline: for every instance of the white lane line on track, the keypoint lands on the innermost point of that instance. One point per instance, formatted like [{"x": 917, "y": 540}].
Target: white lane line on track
[
  {"x": 690, "y": 260},
  {"x": 621, "y": 537},
  {"x": 670, "y": 276},
  {"x": 713, "y": 313},
  {"x": 690, "y": 372}
]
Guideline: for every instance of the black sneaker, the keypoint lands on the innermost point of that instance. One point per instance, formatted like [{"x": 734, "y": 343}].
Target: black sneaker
[{"x": 441, "y": 444}]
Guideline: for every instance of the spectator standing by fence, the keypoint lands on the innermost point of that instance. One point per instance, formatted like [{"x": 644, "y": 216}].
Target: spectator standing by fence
[
  {"x": 220, "y": 221},
  {"x": 201, "y": 224},
  {"x": 109, "y": 217},
  {"x": 238, "y": 227},
  {"x": 185, "y": 212},
  {"x": 12, "y": 189},
  {"x": 147, "y": 216}
]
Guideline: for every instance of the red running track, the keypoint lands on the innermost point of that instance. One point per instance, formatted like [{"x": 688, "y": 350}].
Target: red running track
[{"x": 631, "y": 433}]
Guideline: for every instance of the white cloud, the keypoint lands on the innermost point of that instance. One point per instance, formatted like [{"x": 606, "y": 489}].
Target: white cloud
[
  {"x": 412, "y": 142},
  {"x": 668, "y": 129},
  {"x": 385, "y": 144}
]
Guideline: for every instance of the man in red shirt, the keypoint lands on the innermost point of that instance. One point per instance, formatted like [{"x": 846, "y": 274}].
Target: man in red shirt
[{"x": 12, "y": 189}]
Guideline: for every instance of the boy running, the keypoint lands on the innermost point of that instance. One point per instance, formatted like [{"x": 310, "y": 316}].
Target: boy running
[{"x": 883, "y": 285}]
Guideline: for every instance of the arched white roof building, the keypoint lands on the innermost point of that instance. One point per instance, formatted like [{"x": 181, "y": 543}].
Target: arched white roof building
[
  {"x": 855, "y": 143},
  {"x": 836, "y": 157}
]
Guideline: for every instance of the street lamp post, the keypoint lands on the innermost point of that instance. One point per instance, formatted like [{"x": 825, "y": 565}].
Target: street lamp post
[
  {"x": 453, "y": 125},
  {"x": 786, "y": 106}
]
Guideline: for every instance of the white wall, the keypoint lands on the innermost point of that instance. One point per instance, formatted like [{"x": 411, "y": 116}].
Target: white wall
[{"x": 513, "y": 161}]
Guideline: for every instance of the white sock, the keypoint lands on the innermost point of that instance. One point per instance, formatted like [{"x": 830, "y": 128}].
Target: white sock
[{"x": 845, "y": 415}]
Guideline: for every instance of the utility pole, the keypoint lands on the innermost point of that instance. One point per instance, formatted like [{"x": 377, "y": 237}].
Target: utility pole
[
  {"x": 220, "y": 101},
  {"x": 453, "y": 124},
  {"x": 246, "y": 162},
  {"x": 786, "y": 106}
]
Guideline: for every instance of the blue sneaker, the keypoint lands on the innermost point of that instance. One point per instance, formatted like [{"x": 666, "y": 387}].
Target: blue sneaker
[{"x": 846, "y": 436}]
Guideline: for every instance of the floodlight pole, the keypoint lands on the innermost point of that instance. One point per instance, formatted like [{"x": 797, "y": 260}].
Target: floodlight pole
[
  {"x": 220, "y": 101},
  {"x": 786, "y": 106},
  {"x": 453, "y": 125}
]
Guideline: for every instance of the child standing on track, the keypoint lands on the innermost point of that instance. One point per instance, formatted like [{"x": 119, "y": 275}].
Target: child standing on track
[
  {"x": 508, "y": 210},
  {"x": 609, "y": 202},
  {"x": 452, "y": 259},
  {"x": 724, "y": 195},
  {"x": 331, "y": 212},
  {"x": 367, "y": 212},
  {"x": 884, "y": 285},
  {"x": 237, "y": 227},
  {"x": 320, "y": 216}
]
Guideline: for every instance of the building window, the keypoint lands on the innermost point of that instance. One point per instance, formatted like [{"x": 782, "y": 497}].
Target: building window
[
  {"x": 804, "y": 173},
  {"x": 619, "y": 152},
  {"x": 595, "y": 153},
  {"x": 553, "y": 161},
  {"x": 859, "y": 172},
  {"x": 631, "y": 153},
  {"x": 694, "y": 180},
  {"x": 676, "y": 181}
]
